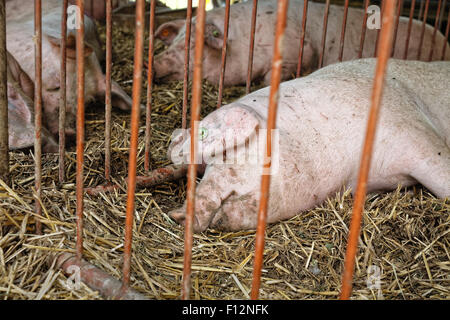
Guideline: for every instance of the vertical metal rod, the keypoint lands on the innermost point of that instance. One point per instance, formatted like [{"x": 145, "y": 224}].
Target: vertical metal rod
[
  {"x": 4, "y": 136},
  {"x": 187, "y": 46},
  {"x": 383, "y": 57},
  {"x": 419, "y": 17},
  {"x": 251, "y": 47},
  {"x": 38, "y": 108},
  {"x": 422, "y": 33},
  {"x": 192, "y": 169},
  {"x": 271, "y": 124},
  {"x": 446, "y": 36},
  {"x": 302, "y": 38},
  {"x": 62, "y": 93},
  {"x": 436, "y": 24},
  {"x": 108, "y": 105},
  {"x": 135, "y": 108},
  {"x": 363, "y": 31},
  {"x": 224, "y": 52},
  {"x": 441, "y": 18},
  {"x": 378, "y": 31},
  {"x": 344, "y": 24},
  {"x": 397, "y": 21},
  {"x": 80, "y": 130},
  {"x": 324, "y": 33},
  {"x": 411, "y": 16},
  {"x": 148, "y": 113}
]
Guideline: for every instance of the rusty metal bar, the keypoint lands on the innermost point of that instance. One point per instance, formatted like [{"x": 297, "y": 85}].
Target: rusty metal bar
[
  {"x": 378, "y": 31},
  {"x": 251, "y": 47},
  {"x": 397, "y": 20},
  {"x": 224, "y": 52},
  {"x": 153, "y": 178},
  {"x": 271, "y": 124},
  {"x": 148, "y": 113},
  {"x": 380, "y": 72},
  {"x": 436, "y": 24},
  {"x": 344, "y": 24},
  {"x": 95, "y": 278},
  {"x": 135, "y": 108},
  {"x": 187, "y": 46},
  {"x": 419, "y": 16},
  {"x": 324, "y": 33},
  {"x": 422, "y": 33},
  {"x": 302, "y": 38},
  {"x": 192, "y": 169},
  {"x": 108, "y": 105},
  {"x": 62, "y": 94},
  {"x": 446, "y": 36},
  {"x": 363, "y": 31},
  {"x": 441, "y": 17},
  {"x": 411, "y": 16},
  {"x": 80, "y": 130},
  {"x": 38, "y": 109},
  {"x": 4, "y": 136}
]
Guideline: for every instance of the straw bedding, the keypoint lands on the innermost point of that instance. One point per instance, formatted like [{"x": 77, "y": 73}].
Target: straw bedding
[{"x": 405, "y": 233}]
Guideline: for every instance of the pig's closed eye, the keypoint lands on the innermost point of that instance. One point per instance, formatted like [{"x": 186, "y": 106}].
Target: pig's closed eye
[{"x": 52, "y": 89}]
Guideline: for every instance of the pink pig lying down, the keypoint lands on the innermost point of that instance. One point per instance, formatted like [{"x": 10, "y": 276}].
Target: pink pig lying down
[
  {"x": 20, "y": 43},
  {"x": 321, "y": 124},
  {"x": 169, "y": 64},
  {"x": 21, "y": 110}
]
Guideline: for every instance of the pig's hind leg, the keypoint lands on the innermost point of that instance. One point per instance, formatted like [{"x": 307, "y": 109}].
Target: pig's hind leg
[{"x": 431, "y": 165}]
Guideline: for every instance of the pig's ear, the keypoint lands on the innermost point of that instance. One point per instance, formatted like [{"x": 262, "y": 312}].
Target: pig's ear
[
  {"x": 71, "y": 50},
  {"x": 169, "y": 30},
  {"x": 213, "y": 36},
  {"x": 19, "y": 76},
  {"x": 119, "y": 98},
  {"x": 236, "y": 126}
]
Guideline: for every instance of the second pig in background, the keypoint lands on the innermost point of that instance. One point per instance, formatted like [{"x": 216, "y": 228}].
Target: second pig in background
[{"x": 168, "y": 65}]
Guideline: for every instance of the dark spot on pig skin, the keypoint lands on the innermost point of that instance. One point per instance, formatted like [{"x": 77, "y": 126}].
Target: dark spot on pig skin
[
  {"x": 269, "y": 12},
  {"x": 233, "y": 173},
  {"x": 439, "y": 153}
]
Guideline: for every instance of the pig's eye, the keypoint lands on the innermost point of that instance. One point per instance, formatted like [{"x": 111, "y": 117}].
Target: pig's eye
[
  {"x": 203, "y": 133},
  {"x": 215, "y": 33}
]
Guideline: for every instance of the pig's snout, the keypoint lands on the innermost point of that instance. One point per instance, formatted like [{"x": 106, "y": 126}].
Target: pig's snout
[
  {"x": 70, "y": 126},
  {"x": 167, "y": 66}
]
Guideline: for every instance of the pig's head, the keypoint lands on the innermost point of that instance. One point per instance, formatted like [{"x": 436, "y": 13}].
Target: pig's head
[
  {"x": 95, "y": 87},
  {"x": 227, "y": 185},
  {"x": 169, "y": 64}
]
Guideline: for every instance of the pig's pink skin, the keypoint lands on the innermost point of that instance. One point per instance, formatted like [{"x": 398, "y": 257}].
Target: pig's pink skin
[
  {"x": 169, "y": 65},
  {"x": 20, "y": 111},
  {"x": 322, "y": 120},
  {"x": 20, "y": 32}
]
